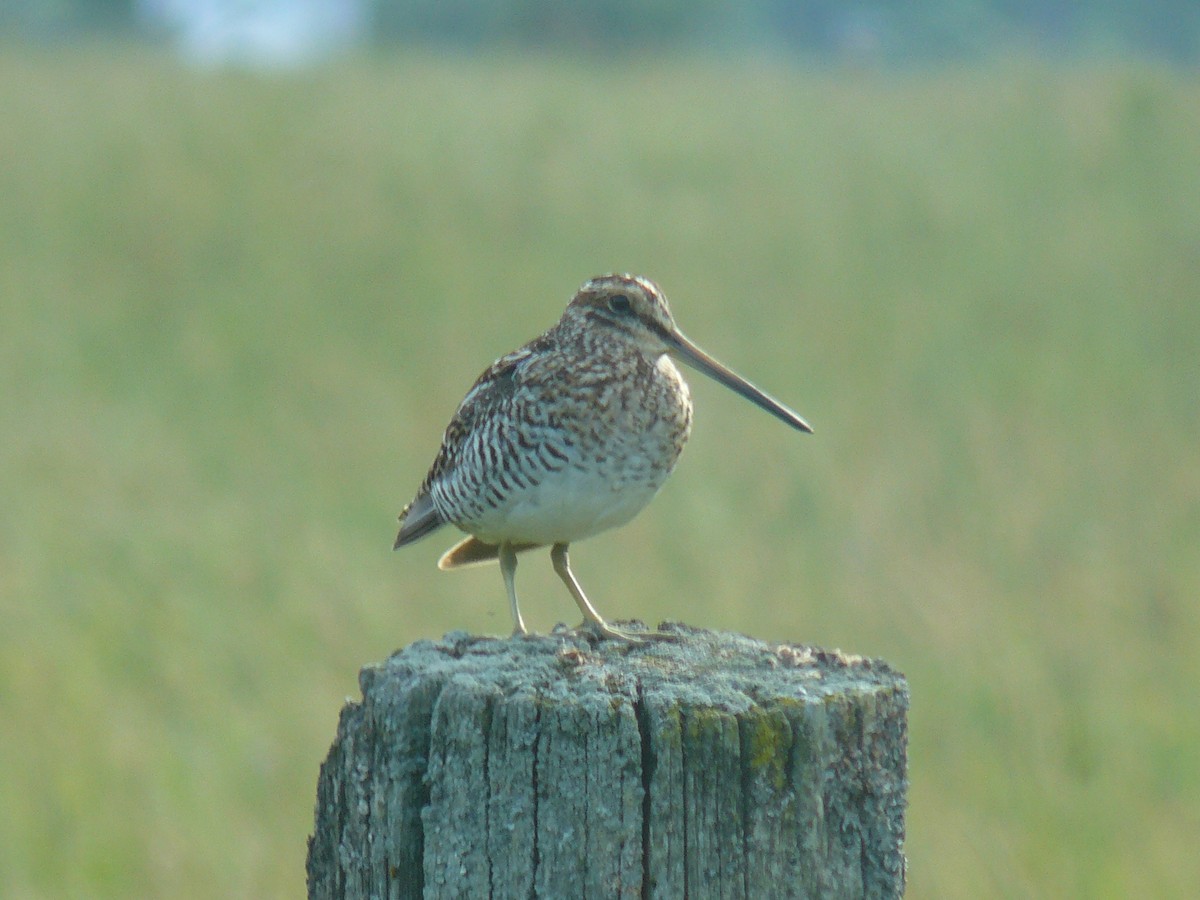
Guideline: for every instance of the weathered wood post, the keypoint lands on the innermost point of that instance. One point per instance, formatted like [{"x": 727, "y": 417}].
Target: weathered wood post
[{"x": 556, "y": 767}]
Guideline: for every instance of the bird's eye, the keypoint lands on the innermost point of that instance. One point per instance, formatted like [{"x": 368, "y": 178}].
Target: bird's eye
[{"x": 619, "y": 304}]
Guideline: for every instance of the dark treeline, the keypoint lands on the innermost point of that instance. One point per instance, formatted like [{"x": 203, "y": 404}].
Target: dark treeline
[{"x": 887, "y": 30}]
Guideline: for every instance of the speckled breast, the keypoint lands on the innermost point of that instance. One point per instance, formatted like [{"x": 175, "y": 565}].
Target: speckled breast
[{"x": 576, "y": 456}]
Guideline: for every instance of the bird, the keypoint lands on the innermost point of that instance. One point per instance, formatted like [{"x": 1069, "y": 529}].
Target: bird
[{"x": 570, "y": 435}]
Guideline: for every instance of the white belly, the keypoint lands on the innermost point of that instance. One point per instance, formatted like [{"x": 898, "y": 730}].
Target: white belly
[{"x": 566, "y": 506}]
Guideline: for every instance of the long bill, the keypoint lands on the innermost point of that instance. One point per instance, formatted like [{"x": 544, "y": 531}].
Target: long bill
[{"x": 698, "y": 359}]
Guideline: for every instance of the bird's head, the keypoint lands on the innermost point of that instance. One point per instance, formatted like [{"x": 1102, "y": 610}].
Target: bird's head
[
  {"x": 627, "y": 308},
  {"x": 634, "y": 310}
]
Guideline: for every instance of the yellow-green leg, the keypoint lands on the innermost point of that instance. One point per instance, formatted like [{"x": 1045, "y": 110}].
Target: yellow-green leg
[
  {"x": 562, "y": 566},
  {"x": 508, "y": 568}
]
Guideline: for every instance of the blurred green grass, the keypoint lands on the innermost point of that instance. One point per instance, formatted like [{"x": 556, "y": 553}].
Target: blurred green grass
[{"x": 237, "y": 312}]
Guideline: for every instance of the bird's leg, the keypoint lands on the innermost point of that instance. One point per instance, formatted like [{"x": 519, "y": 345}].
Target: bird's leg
[
  {"x": 562, "y": 566},
  {"x": 508, "y": 568}
]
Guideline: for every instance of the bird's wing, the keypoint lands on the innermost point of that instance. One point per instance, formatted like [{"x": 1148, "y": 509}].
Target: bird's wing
[{"x": 491, "y": 390}]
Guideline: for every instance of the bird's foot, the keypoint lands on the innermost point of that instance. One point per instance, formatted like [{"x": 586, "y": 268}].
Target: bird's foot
[{"x": 604, "y": 630}]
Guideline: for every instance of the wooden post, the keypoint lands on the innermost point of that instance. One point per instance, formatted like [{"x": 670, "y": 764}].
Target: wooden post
[{"x": 559, "y": 767}]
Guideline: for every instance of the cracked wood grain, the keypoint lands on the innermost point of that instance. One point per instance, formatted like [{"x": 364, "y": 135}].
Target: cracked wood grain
[{"x": 556, "y": 766}]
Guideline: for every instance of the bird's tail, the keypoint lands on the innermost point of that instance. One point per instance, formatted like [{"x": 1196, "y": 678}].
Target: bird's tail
[
  {"x": 419, "y": 518},
  {"x": 471, "y": 552}
]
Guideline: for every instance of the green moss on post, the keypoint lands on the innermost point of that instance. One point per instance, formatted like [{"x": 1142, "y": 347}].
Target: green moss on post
[{"x": 715, "y": 765}]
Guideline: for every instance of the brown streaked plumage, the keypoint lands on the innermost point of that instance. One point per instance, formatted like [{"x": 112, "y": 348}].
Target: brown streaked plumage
[{"x": 568, "y": 436}]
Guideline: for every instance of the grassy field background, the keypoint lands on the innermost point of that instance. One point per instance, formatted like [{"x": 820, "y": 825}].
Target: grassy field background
[{"x": 237, "y": 311}]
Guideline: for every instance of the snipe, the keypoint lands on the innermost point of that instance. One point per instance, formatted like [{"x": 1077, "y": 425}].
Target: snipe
[{"x": 568, "y": 436}]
